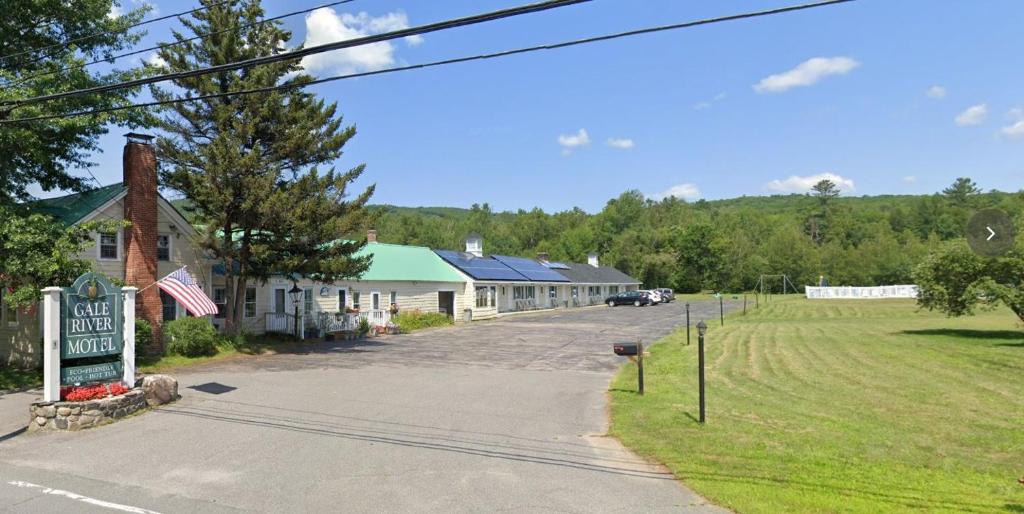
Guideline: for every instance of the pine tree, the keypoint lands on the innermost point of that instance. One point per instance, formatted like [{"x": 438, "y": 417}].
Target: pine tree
[{"x": 251, "y": 164}]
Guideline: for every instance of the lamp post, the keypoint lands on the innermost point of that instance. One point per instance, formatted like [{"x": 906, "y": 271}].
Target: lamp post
[
  {"x": 702, "y": 328},
  {"x": 296, "y": 294}
]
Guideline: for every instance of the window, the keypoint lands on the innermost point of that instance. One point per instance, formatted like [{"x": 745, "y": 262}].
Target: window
[
  {"x": 393, "y": 298},
  {"x": 613, "y": 289},
  {"x": 523, "y": 292},
  {"x": 163, "y": 247},
  {"x": 594, "y": 290},
  {"x": 307, "y": 300},
  {"x": 553, "y": 292},
  {"x": 10, "y": 314},
  {"x": 221, "y": 301},
  {"x": 250, "y": 302},
  {"x": 481, "y": 296},
  {"x": 494, "y": 296},
  {"x": 170, "y": 306},
  {"x": 355, "y": 300},
  {"x": 108, "y": 246},
  {"x": 375, "y": 301},
  {"x": 575, "y": 291},
  {"x": 342, "y": 300},
  {"x": 279, "y": 297}
]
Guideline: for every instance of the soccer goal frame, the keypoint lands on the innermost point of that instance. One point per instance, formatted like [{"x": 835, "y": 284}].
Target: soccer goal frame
[{"x": 764, "y": 283}]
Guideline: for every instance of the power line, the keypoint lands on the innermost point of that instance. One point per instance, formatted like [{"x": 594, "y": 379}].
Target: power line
[
  {"x": 480, "y": 57},
  {"x": 296, "y": 54},
  {"x": 113, "y": 58},
  {"x": 106, "y": 32}
]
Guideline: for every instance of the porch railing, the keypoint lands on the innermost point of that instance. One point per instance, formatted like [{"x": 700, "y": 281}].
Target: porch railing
[
  {"x": 281, "y": 323},
  {"x": 342, "y": 322}
]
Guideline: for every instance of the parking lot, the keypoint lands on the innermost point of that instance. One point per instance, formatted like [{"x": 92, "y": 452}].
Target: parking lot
[{"x": 497, "y": 415}]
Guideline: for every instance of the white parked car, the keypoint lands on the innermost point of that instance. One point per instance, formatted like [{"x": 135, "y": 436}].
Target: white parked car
[{"x": 655, "y": 296}]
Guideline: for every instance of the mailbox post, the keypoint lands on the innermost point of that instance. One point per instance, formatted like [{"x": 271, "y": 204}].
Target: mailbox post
[
  {"x": 633, "y": 350},
  {"x": 701, "y": 329}
]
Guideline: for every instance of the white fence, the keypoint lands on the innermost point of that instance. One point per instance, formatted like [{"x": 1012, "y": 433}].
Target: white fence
[{"x": 873, "y": 292}]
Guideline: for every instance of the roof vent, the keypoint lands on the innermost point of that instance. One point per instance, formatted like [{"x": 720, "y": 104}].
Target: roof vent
[{"x": 475, "y": 245}]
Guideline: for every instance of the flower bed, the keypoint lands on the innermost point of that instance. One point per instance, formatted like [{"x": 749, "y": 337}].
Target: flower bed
[
  {"x": 92, "y": 392},
  {"x": 89, "y": 406}
]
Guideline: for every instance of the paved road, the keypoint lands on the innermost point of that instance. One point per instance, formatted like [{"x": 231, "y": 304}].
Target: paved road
[{"x": 498, "y": 415}]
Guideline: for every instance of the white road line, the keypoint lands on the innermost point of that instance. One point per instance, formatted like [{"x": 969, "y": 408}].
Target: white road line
[{"x": 78, "y": 497}]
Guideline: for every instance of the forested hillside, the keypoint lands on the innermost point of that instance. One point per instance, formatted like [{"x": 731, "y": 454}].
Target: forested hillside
[{"x": 720, "y": 244}]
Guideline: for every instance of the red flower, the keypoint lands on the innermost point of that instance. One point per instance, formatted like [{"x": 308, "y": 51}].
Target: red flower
[{"x": 92, "y": 392}]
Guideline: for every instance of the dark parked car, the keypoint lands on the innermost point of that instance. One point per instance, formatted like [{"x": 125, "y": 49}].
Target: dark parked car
[
  {"x": 636, "y": 298},
  {"x": 667, "y": 295}
]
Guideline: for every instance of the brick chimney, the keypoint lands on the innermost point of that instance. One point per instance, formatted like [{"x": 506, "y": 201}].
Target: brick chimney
[
  {"x": 140, "y": 208},
  {"x": 371, "y": 236}
]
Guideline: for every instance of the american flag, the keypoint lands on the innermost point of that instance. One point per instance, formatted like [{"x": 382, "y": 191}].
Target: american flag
[{"x": 184, "y": 288}]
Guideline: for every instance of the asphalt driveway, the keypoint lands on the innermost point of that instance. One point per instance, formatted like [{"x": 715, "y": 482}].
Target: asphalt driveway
[{"x": 497, "y": 415}]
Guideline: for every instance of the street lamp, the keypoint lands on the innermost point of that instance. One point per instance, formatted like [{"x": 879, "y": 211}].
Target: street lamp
[
  {"x": 702, "y": 329},
  {"x": 296, "y": 293}
]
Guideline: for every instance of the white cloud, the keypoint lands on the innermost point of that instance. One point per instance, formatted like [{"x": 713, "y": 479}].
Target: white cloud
[
  {"x": 155, "y": 60},
  {"x": 806, "y": 73},
  {"x": 327, "y": 26},
  {"x": 1016, "y": 130},
  {"x": 706, "y": 104},
  {"x": 909, "y": 179},
  {"x": 621, "y": 143},
  {"x": 571, "y": 141},
  {"x": 798, "y": 184},
  {"x": 686, "y": 191},
  {"x": 115, "y": 11},
  {"x": 974, "y": 115},
  {"x": 936, "y": 92}
]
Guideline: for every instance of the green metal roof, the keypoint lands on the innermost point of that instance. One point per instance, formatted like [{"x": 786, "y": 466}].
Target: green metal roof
[
  {"x": 71, "y": 209},
  {"x": 407, "y": 263}
]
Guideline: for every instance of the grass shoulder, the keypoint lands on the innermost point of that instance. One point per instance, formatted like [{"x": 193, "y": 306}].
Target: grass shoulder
[{"x": 827, "y": 406}]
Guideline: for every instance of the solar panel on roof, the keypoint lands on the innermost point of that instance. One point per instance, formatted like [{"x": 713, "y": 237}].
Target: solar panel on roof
[
  {"x": 531, "y": 269},
  {"x": 480, "y": 268},
  {"x": 555, "y": 265}
]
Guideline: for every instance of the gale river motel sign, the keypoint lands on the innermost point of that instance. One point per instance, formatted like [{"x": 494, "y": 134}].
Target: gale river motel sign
[{"x": 88, "y": 334}]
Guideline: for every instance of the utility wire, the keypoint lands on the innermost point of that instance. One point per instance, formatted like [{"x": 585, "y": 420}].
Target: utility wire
[
  {"x": 176, "y": 43},
  {"x": 480, "y": 57},
  {"x": 105, "y": 32},
  {"x": 303, "y": 52}
]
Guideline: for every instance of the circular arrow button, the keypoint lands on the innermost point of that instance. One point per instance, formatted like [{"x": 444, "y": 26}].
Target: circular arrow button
[{"x": 990, "y": 232}]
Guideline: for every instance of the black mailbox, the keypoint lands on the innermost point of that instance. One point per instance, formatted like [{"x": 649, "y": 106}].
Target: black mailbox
[{"x": 626, "y": 349}]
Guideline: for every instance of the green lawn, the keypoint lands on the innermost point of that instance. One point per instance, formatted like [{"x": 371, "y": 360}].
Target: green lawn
[{"x": 839, "y": 406}]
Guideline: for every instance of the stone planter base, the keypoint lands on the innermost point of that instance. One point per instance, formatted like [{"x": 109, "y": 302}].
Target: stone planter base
[{"x": 149, "y": 391}]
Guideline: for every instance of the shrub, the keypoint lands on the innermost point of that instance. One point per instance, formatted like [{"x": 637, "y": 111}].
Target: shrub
[
  {"x": 364, "y": 327},
  {"x": 143, "y": 335},
  {"x": 191, "y": 337},
  {"x": 416, "y": 320}
]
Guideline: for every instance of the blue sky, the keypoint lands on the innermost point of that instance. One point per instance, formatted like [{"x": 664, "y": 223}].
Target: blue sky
[{"x": 878, "y": 94}]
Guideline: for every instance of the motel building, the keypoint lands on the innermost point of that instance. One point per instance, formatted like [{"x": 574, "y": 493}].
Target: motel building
[
  {"x": 413, "y": 278},
  {"x": 158, "y": 242},
  {"x": 503, "y": 284}
]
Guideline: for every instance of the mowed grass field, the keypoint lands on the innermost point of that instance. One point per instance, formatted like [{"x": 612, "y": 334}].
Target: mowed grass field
[{"x": 838, "y": 406}]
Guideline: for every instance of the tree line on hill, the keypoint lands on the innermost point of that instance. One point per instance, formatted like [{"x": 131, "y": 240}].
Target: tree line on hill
[{"x": 722, "y": 245}]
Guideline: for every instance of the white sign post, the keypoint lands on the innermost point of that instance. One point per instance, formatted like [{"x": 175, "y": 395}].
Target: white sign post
[
  {"x": 51, "y": 344},
  {"x": 128, "y": 353}
]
